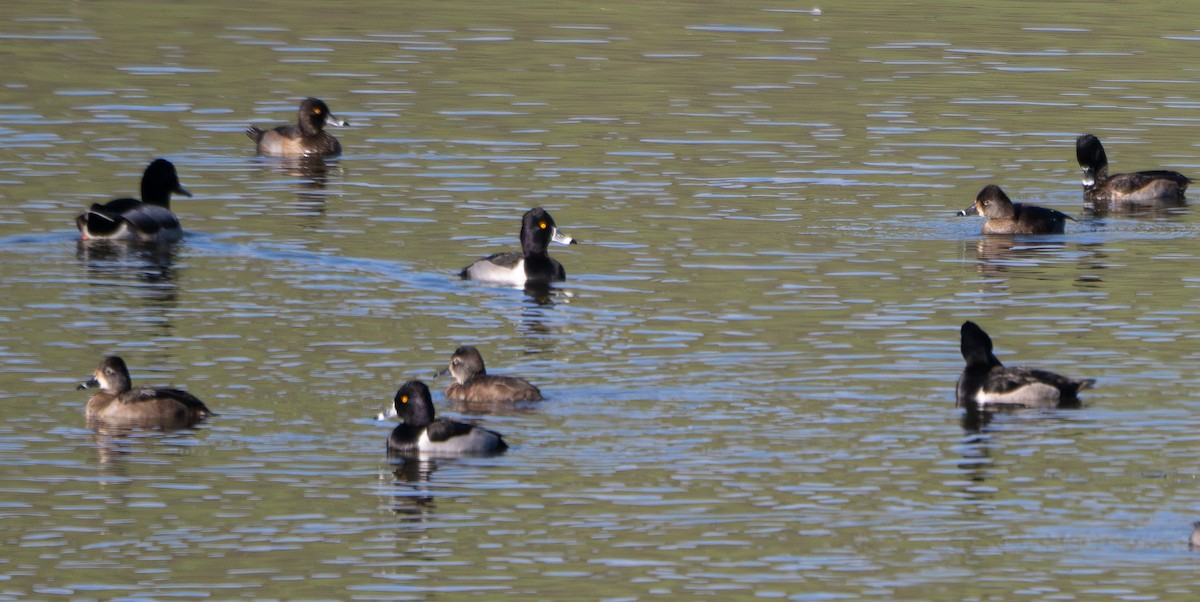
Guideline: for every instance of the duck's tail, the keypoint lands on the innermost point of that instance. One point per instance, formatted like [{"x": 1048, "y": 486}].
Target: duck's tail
[
  {"x": 94, "y": 224},
  {"x": 254, "y": 133}
]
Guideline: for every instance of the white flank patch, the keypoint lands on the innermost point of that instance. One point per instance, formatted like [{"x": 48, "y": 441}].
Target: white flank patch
[
  {"x": 486, "y": 270},
  {"x": 1032, "y": 395}
]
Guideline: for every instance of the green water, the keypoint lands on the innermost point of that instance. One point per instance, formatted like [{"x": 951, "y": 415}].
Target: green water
[{"x": 749, "y": 371}]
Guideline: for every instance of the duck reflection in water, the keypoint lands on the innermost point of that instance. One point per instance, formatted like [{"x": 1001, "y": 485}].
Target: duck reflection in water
[
  {"x": 997, "y": 255},
  {"x": 309, "y": 176},
  {"x": 116, "y": 444},
  {"x": 149, "y": 263},
  {"x": 138, "y": 276},
  {"x": 1162, "y": 208},
  {"x": 411, "y": 494}
]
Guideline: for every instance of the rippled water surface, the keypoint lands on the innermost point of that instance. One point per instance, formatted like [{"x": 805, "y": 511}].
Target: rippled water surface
[{"x": 749, "y": 373}]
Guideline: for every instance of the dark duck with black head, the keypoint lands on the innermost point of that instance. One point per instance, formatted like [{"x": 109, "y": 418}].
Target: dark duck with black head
[
  {"x": 1006, "y": 217},
  {"x": 307, "y": 137},
  {"x": 119, "y": 402},
  {"x": 1138, "y": 188},
  {"x": 472, "y": 383},
  {"x": 419, "y": 432},
  {"x": 147, "y": 220},
  {"x": 986, "y": 383},
  {"x": 533, "y": 265}
]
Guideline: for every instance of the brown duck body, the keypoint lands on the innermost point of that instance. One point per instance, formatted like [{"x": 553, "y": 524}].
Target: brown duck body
[
  {"x": 145, "y": 405},
  {"x": 1006, "y": 217},
  {"x": 487, "y": 388},
  {"x": 472, "y": 383},
  {"x": 119, "y": 402},
  {"x": 1141, "y": 188}
]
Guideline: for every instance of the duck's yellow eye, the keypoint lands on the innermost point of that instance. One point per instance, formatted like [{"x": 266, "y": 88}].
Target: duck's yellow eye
[
  {"x": 317, "y": 111},
  {"x": 542, "y": 224},
  {"x": 403, "y": 399}
]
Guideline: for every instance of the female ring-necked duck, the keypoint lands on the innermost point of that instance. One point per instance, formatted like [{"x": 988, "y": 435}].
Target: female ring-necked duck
[
  {"x": 986, "y": 382},
  {"x": 1138, "y": 187},
  {"x": 1005, "y": 217},
  {"x": 533, "y": 264},
  {"x": 306, "y": 137},
  {"x": 472, "y": 383},
  {"x": 420, "y": 432},
  {"x": 149, "y": 219},
  {"x": 120, "y": 402}
]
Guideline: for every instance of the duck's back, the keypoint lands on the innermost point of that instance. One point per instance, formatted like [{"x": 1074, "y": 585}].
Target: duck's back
[
  {"x": 1019, "y": 386},
  {"x": 493, "y": 389},
  {"x": 129, "y": 219},
  {"x": 146, "y": 405},
  {"x": 445, "y": 437},
  {"x": 1028, "y": 219},
  {"x": 500, "y": 267},
  {"x": 1140, "y": 187}
]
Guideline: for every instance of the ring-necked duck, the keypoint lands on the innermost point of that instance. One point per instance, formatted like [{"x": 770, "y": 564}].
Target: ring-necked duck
[
  {"x": 149, "y": 219},
  {"x": 988, "y": 383},
  {"x": 420, "y": 432},
  {"x": 473, "y": 384},
  {"x": 1139, "y": 187},
  {"x": 120, "y": 402},
  {"x": 1005, "y": 217},
  {"x": 533, "y": 264},
  {"x": 306, "y": 137}
]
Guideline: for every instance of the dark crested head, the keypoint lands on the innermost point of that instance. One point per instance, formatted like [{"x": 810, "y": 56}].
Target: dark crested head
[
  {"x": 1089, "y": 151},
  {"x": 976, "y": 345},
  {"x": 314, "y": 114},
  {"x": 538, "y": 230},
  {"x": 111, "y": 376},
  {"x": 159, "y": 181},
  {"x": 413, "y": 404},
  {"x": 1090, "y": 155},
  {"x": 992, "y": 203},
  {"x": 466, "y": 362}
]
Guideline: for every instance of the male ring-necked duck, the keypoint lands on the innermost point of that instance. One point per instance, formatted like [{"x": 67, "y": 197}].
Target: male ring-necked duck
[
  {"x": 304, "y": 138},
  {"x": 533, "y": 264},
  {"x": 472, "y": 383},
  {"x": 988, "y": 383},
  {"x": 119, "y": 402},
  {"x": 419, "y": 432},
  {"x": 1131, "y": 188},
  {"x": 1005, "y": 217},
  {"x": 149, "y": 219}
]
